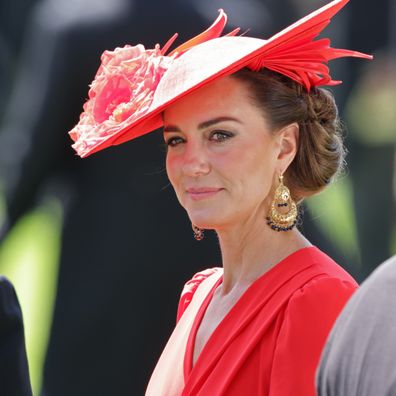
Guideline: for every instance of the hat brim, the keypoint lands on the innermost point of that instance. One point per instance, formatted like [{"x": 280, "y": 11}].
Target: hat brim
[{"x": 223, "y": 56}]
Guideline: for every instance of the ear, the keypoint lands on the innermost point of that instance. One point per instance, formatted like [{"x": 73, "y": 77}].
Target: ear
[{"x": 288, "y": 144}]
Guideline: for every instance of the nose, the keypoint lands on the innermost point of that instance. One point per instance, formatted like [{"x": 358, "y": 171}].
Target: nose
[{"x": 195, "y": 160}]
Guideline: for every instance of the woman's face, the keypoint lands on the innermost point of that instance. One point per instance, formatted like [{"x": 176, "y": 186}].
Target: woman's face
[{"x": 222, "y": 159}]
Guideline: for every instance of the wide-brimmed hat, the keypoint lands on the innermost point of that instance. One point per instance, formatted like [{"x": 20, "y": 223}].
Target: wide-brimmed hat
[{"x": 134, "y": 85}]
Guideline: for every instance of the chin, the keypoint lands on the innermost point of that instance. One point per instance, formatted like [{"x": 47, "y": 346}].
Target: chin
[{"x": 206, "y": 221}]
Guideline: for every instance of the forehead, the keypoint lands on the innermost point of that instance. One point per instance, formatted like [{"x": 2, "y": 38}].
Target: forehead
[{"x": 225, "y": 96}]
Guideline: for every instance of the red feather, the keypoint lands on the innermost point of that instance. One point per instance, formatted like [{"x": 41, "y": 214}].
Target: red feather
[{"x": 294, "y": 53}]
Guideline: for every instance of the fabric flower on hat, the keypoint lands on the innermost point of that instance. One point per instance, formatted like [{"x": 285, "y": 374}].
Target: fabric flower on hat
[
  {"x": 121, "y": 92},
  {"x": 124, "y": 86}
]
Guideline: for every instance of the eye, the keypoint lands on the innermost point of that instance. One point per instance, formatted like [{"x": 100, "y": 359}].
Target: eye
[
  {"x": 174, "y": 141},
  {"x": 220, "y": 136}
]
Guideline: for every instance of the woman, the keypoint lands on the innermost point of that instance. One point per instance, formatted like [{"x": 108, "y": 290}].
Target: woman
[{"x": 249, "y": 134}]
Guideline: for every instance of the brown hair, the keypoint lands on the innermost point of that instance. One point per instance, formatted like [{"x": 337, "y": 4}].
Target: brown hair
[{"x": 320, "y": 154}]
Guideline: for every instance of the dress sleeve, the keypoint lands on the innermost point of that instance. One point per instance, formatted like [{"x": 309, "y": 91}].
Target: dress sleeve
[
  {"x": 189, "y": 289},
  {"x": 308, "y": 318}
]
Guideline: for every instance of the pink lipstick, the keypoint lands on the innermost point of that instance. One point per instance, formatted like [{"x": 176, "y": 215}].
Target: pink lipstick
[{"x": 197, "y": 194}]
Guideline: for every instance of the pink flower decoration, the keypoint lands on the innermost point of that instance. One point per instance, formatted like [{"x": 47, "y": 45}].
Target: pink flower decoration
[{"x": 121, "y": 92}]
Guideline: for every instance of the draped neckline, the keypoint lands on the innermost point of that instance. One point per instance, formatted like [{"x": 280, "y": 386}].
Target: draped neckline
[{"x": 266, "y": 277}]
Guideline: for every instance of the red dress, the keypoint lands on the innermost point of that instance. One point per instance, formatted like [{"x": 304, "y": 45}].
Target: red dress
[{"x": 270, "y": 341}]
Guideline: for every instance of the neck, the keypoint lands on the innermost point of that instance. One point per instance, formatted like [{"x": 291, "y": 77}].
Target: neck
[{"x": 251, "y": 249}]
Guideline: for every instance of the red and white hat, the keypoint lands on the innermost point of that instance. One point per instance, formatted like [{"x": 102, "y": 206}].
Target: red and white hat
[{"x": 133, "y": 85}]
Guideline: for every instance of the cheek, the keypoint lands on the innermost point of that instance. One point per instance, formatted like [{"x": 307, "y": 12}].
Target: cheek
[
  {"x": 173, "y": 171},
  {"x": 258, "y": 185},
  {"x": 170, "y": 167},
  {"x": 257, "y": 176}
]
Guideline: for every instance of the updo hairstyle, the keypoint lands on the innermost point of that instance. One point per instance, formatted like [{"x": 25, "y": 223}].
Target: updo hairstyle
[{"x": 320, "y": 154}]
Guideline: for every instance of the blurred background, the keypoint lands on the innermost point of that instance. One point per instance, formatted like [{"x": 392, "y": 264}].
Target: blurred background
[{"x": 98, "y": 249}]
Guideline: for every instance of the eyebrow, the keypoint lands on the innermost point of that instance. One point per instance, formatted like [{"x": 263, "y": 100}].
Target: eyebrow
[{"x": 202, "y": 125}]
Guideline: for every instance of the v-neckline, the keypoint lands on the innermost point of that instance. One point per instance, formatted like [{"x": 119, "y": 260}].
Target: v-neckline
[
  {"x": 188, "y": 365},
  {"x": 189, "y": 355}
]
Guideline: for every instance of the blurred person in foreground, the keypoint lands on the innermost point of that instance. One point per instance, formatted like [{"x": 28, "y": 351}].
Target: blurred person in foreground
[
  {"x": 250, "y": 131},
  {"x": 360, "y": 354},
  {"x": 14, "y": 370}
]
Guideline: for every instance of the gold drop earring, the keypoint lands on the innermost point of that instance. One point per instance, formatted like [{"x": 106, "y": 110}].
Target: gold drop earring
[
  {"x": 198, "y": 232},
  {"x": 283, "y": 212}
]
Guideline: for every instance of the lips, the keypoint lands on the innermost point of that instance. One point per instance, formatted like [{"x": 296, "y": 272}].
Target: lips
[{"x": 200, "y": 193}]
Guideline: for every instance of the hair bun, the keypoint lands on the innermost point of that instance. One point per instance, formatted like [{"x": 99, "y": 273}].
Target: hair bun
[
  {"x": 321, "y": 107},
  {"x": 321, "y": 152}
]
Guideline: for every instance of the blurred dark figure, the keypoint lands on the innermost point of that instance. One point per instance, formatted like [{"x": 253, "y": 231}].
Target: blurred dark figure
[
  {"x": 5, "y": 72},
  {"x": 127, "y": 248},
  {"x": 372, "y": 144},
  {"x": 14, "y": 372},
  {"x": 13, "y": 17}
]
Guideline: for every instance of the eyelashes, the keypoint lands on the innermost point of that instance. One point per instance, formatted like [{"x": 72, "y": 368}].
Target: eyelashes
[
  {"x": 217, "y": 136},
  {"x": 174, "y": 141},
  {"x": 221, "y": 136}
]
